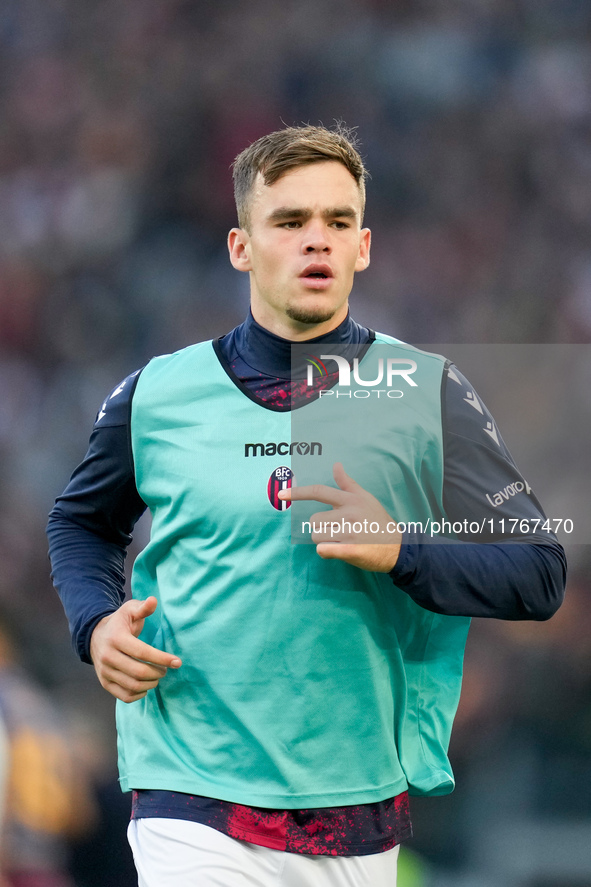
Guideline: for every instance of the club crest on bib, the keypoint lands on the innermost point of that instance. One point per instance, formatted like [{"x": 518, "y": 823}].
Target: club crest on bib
[{"x": 281, "y": 479}]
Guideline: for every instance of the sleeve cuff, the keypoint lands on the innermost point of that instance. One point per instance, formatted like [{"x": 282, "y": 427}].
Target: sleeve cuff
[{"x": 404, "y": 569}]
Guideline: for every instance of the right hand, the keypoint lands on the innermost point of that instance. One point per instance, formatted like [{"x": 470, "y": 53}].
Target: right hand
[{"x": 126, "y": 666}]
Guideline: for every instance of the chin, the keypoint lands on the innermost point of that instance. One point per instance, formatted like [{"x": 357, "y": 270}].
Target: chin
[{"x": 311, "y": 315}]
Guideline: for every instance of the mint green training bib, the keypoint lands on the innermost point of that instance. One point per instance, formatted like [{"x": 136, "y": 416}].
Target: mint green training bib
[{"x": 305, "y": 683}]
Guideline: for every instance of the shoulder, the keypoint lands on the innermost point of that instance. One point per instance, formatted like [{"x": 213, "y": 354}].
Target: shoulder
[
  {"x": 404, "y": 348},
  {"x": 184, "y": 377},
  {"x": 115, "y": 408},
  {"x": 421, "y": 370},
  {"x": 192, "y": 356},
  {"x": 466, "y": 413}
]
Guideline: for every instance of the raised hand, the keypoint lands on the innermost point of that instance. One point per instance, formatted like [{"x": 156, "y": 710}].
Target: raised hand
[{"x": 357, "y": 529}]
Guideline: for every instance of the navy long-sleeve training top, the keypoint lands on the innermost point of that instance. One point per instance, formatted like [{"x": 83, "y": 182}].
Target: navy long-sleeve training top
[
  {"x": 91, "y": 524},
  {"x": 515, "y": 576}
]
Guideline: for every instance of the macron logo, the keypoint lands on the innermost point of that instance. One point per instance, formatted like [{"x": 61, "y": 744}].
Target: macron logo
[{"x": 283, "y": 449}]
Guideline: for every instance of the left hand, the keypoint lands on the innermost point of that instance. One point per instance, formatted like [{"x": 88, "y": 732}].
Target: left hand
[{"x": 351, "y": 505}]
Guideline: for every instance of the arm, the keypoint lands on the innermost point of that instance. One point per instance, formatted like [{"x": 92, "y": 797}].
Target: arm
[
  {"x": 91, "y": 523},
  {"x": 493, "y": 580},
  {"x": 512, "y": 576},
  {"x": 516, "y": 577},
  {"x": 89, "y": 530}
]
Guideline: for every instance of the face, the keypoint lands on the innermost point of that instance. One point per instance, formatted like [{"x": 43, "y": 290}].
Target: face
[{"x": 304, "y": 246}]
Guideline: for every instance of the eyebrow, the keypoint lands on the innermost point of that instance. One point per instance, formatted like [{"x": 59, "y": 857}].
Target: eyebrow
[{"x": 284, "y": 213}]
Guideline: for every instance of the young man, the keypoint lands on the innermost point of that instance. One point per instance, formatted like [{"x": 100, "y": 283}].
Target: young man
[{"x": 282, "y": 699}]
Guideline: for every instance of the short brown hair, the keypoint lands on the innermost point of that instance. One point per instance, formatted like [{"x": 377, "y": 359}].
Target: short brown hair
[{"x": 279, "y": 152}]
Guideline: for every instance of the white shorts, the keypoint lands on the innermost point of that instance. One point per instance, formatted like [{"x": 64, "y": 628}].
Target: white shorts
[{"x": 179, "y": 853}]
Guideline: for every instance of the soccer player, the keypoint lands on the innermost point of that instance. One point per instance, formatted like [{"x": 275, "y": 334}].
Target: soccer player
[{"x": 277, "y": 702}]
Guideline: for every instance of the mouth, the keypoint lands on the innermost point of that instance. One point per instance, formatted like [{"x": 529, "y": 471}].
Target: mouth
[{"x": 317, "y": 276}]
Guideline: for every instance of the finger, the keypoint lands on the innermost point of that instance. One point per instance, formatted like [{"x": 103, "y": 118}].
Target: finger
[
  {"x": 316, "y": 493},
  {"x": 377, "y": 558},
  {"x": 137, "y": 669},
  {"x": 341, "y": 551},
  {"x": 136, "y": 610},
  {"x": 344, "y": 481},
  {"x": 122, "y": 693},
  {"x": 325, "y": 528},
  {"x": 343, "y": 526},
  {"x": 143, "y": 652},
  {"x": 127, "y": 686},
  {"x": 128, "y": 679}
]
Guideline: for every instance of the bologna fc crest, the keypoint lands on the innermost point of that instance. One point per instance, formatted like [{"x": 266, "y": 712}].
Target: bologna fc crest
[{"x": 280, "y": 480}]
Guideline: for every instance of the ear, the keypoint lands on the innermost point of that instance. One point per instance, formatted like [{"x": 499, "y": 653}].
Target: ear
[
  {"x": 364, "y": 246},
  {"x": 239, "y": 249}
]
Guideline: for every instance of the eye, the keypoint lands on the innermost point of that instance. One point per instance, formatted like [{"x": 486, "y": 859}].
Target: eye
[
  {"x": 340, "y": 226},
  {"x": 292, "y": 225}
]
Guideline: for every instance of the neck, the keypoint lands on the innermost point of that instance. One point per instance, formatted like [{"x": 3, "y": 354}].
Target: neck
[
  {"x": 295, "y": 331},
  {"x": 264, "y": 362},
  {"x": 269, "y": 354}
]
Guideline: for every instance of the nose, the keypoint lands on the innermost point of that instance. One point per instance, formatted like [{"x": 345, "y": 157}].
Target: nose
[{"x": 316, "y": 238}]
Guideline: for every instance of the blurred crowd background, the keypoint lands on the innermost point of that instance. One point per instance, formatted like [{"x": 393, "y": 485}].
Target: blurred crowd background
[{"x": 119, "y": 120}]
